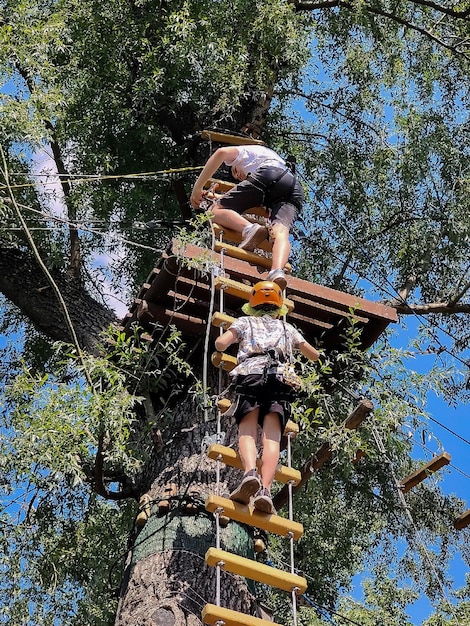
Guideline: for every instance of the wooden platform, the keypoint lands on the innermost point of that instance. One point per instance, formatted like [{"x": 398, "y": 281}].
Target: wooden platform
[{"x": 180, "y": 295}]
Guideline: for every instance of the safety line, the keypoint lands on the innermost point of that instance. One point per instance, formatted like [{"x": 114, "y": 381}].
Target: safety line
[
  {"x": 85, "y": 178},
  {"x": 53, "y": 284}
]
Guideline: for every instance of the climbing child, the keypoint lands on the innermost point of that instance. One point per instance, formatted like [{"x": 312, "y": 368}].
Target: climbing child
[
  {"x": 265, "y": 180},
  {"x": 263, "y": 339}
]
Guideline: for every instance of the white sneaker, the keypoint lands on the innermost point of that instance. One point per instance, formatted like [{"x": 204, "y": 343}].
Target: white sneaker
[
  {"x": 253, "y": 235},
  {"x": 278, "y": 277}
]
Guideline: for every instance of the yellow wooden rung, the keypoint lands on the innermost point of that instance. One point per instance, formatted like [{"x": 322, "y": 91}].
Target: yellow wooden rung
[
  {"x": 232, "y": 140},
  {"x": 240, "y": 290},
  {"x": 222, "y": 185},
  {"x": 247, "y": 515},
  {"x": 222, "y": 320},
  {"x": 230, "y": 457},
  {"x": 223, "y": 404},
  {"x": 431, "y": 466},
  {"x": 291, "y": 427},
  {"x": 243, "y": 255},
  {"x": 213, "y": 615},
  {"x": 224, "y": 361},
  {"x": 256, "y": 571},
  {"x": 232, "y": 235}
]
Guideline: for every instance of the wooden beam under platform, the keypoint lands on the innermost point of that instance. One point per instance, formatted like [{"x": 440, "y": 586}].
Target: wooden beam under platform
[
  {"x": 358, "y": 415},
  {"x": 462, "y": 521},
  {"x": 233, "y": 140},
  {"x": 423, "y": 472}
]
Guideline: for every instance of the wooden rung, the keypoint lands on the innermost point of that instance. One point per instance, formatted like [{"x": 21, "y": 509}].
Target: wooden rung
[
  {"x": 232, "y": 235},
  {"x": 223, "y": 404},
  {"x": 431, "y": 466},
  {"x": 232, "y": 140},
  {"x": 256, "y": 571},
  {"x": 240, "y": 290},
  {"x": 291, "y": 427},
  {"x": 222, "y": 185},
  {"x": 222, "y": 320},
  {"x": 225, "y": 361},
  {"x": 229, "y": 456},
  {"x": 247, "y": 515},
  {"x": 213, "y": 615},
  {"x": 462, "y": 521},
  {"x": 245, "y": 255}
]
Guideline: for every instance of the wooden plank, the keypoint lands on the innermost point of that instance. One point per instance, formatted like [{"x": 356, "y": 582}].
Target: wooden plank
[
  {"x": 244, "y": 255},
  {"x": 247, "y": 515},
  {"x": 225, "y": 361},
  {"x": 462, "y": 521},
  {"x": 241, "y": 290},
  {"x": 325, "y": 295},
  {"x": 214, "y": 615},
  {"x": 233, "y": 140},
  {"x": 222, "y": 320},
  {"x": 256, "y": 571},
  {"x": 360, "y": 412},
  {"x": 422, "y": 473},
  {"x": 231, "y": 235},
  {"x": 223, "y": 405},
  {"x": 291, "y": 427},
  {"x": 230, "y": 457}
]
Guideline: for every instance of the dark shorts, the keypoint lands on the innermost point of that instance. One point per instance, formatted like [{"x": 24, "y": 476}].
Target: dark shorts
[
  {"x": 269, "y": 397},
  {"x": 275, "y": 188}
]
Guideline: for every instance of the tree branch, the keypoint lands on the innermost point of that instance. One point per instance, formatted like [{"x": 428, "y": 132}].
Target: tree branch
[
  {"x": 445, "y": 308},
  {"x": 328, "y": 4}
]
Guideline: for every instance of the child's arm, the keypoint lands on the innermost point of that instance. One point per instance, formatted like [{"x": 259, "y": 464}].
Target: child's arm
[
  {"x": 227, "y": 153},
  {"x": 225, "y": 340},
  {"x": 308, "y": 350}
]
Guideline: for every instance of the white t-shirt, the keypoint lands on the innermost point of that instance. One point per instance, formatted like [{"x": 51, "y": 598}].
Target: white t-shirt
[{"x": 250, "y": 158}]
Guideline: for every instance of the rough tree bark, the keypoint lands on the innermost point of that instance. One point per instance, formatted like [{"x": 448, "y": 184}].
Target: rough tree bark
[{"x": 165, "y": 580}]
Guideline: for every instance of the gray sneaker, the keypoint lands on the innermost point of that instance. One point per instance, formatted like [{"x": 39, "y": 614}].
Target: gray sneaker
[
  {"x": 250, "y": 484},
  {"x": 252, "y": 236},
  {"x": 278, "y": 277},
  {"x": 263, "y": 503}
]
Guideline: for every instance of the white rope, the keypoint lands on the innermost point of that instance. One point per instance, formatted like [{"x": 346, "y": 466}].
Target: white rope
[{"x": 291, "y": 517}]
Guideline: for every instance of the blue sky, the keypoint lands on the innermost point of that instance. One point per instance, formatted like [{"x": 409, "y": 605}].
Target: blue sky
[{"x": 448, "y": 430}]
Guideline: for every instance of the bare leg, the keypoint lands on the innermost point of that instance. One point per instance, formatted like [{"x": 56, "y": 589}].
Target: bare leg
[
  {"x": 250, "y": 484},
  {"x": 247, "y": 435},
  {"x": 271, "y": 448},
  {"x": 281, "y": 246},
  {"x": 228, "y": 218}
]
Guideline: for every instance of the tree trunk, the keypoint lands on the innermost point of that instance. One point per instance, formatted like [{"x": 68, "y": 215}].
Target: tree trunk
[
  {"x": 24, "y": 283},
  {"x": 166, "y": 580}
]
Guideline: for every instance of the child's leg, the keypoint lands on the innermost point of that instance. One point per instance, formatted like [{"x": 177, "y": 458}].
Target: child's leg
[
  {"x": 271, "y": 448},
  {"x": 247, "y": 435}
]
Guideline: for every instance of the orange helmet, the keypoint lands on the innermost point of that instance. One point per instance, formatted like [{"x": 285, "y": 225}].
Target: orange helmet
[{"x": 266, "y": 292}]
